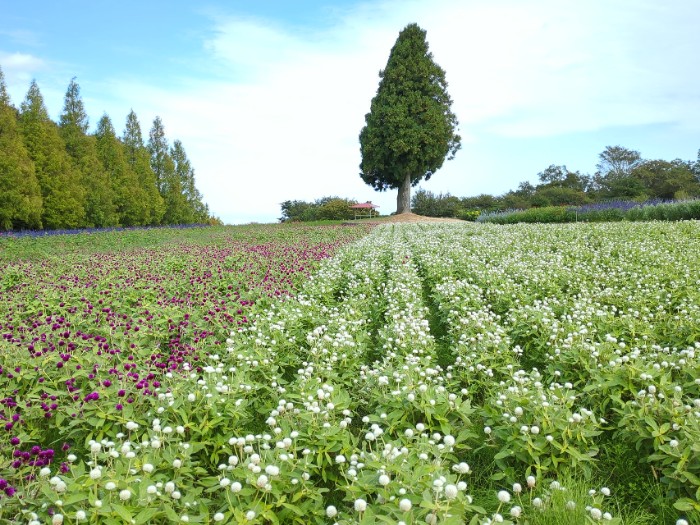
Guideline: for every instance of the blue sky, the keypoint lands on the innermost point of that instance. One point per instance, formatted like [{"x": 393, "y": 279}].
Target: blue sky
[{"x": 268, "y": 97}]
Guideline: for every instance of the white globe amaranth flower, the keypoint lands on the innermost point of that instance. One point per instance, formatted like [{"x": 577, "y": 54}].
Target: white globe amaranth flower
[
  {"x": 461, "y": 468},
  {"x": 250, "y": 515},
  {"x": 236, "y": 487},
  {"x": 331, "y": 511},
  {"x": 262, "y": 481},
  {"x": 451, "y": 491},
  {"x": 405, "y": 504},
  {"x": 360, "y": 505},
  {"x": 80, "y": 515},
  {"x": 219, "y": 516},
  {"x": 57, "y": 519},
  {"x": 503, "y": 496},
  {"x": 125, "y": 494},
  {"x": 384, "y": 480}
]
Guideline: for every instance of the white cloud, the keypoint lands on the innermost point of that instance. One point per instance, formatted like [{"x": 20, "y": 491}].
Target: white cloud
[{"x": 19, "y": 66}]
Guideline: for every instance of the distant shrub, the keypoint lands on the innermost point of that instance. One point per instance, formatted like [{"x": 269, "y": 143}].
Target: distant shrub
[
  {"x": 547, "y": 214},
  {"x": 468, "y": 215},
  {"x": 614, "y": 211}
]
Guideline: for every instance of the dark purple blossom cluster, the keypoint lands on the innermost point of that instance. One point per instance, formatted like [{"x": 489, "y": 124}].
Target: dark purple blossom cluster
[
  {"x": 35, "y": 457},
  {"x": 6, "y": 489}
]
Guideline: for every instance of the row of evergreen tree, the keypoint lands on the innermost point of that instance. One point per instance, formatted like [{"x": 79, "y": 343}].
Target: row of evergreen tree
[{"x": 59, "y": 176}]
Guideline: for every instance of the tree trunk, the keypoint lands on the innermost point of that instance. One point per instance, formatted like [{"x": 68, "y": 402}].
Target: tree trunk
[{"x": 403, "y": 199}]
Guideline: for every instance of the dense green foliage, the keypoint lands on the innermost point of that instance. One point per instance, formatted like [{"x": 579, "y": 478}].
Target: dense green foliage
[
  {"x": 323, "y": 209},
  {"x": 410, "y": 128},
  {"x": 622, "y": 174},
  {"x": 20, "y": 195},
  {"x": 441, "y": 374},
  {"x": 606, "y": 212},
  {"x": 60, "y": 176}
]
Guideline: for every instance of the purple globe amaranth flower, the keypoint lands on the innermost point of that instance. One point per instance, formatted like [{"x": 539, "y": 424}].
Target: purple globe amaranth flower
[{"x": 93, "y": 396}]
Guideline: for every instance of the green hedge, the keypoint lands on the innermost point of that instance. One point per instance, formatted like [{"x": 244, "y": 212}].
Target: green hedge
[{"x": 672, "y": 211}]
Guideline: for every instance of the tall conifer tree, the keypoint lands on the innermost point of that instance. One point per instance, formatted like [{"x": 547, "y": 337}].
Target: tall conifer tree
[
  {"x": 197, "y": 212},
  {"x": 129, "y": 197},
  {"x": 20, "y": 195},
  {"x": 138, "y": 159},
  {"x": 61, "y": 191},
  {"x": 163, "y": 167},
  {"x": 100, "y": 210},
  {"x": 410, "y": 128}
]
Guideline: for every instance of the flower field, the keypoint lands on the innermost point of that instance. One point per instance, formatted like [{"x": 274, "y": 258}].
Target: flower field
[{"x": 414, "y": 373}]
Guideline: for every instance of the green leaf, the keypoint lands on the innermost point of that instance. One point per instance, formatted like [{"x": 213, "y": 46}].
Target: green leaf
[
  {"x": 75, "y": 498},
  {"x": 686, "y": 504},
  {"x": 123, "y": 512},
  {"x": 145, "y": 515},
  {"x": 296, "y": 510},
  {"x": 503, "y": 454},
  {"x": 695, "y": 480}
]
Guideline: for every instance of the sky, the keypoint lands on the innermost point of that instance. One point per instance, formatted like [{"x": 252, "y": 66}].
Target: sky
[{"x": 268, "y": 97}]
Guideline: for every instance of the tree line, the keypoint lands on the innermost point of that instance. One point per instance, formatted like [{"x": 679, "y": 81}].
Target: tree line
[
  {"x": 57, "y": 175},
  {"x": 324, "y": 209},
  {"x": 621, "y": 174}
]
